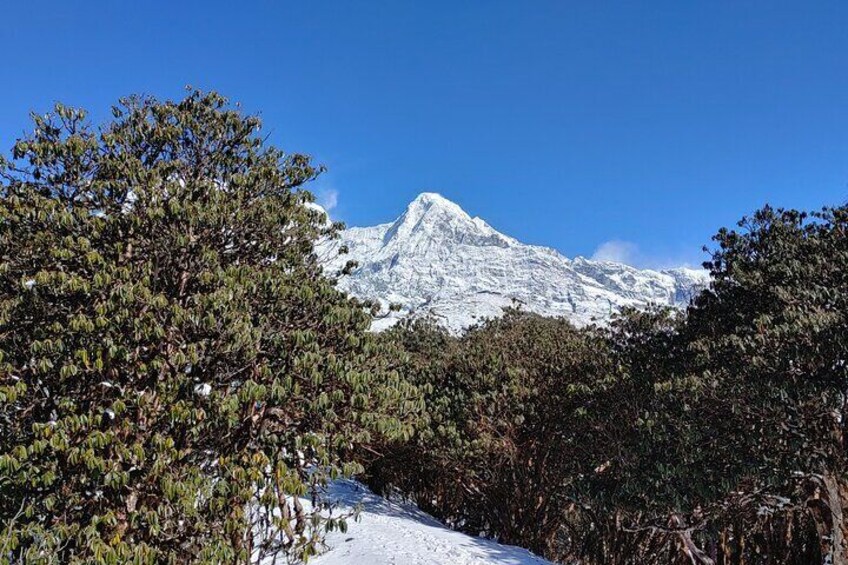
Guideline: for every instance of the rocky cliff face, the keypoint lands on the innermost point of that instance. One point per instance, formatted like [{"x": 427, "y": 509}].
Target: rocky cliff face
[{"x": 437, "y": 260}]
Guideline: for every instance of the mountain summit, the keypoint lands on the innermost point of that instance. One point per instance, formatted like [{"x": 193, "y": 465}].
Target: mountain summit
[
  {"x": 435, "y": 259},
  {"x": 432, "y": 217}
]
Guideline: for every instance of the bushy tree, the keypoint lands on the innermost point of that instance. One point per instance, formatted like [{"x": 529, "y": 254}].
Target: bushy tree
[
  {"x": 175, "y": 371},
  {"x": 670, "y": 484},
  {"x": 737, "y": 433},
  {"x": 770, "y": 341},
  {"x": 509, "y": 413}
]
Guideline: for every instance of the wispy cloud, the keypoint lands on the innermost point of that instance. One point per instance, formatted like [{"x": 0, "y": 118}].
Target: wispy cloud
[
  {"x": 328, "y": 198},
  {"x": 629, "y": 253},
  {"x": 618, "y": 251}
]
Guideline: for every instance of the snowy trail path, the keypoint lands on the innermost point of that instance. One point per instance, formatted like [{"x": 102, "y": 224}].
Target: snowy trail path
[{"x": 393, "y": 533}]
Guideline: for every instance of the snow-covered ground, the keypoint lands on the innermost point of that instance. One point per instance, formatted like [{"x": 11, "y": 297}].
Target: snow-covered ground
[{"x": 392, "y": 533}]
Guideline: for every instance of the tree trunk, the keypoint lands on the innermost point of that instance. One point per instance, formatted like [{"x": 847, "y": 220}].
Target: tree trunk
[
  {"x": 695, "y": 554},
  {"x": 828, "y": 503}
]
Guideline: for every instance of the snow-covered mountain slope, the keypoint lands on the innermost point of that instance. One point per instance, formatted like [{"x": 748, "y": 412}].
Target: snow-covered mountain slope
[
  {"x": 389, "y": 532},
  {"x": 437, "y": 260}
]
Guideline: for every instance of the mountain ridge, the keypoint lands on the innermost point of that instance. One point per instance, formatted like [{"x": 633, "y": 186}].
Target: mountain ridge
[{"x": 435, "y": 259}]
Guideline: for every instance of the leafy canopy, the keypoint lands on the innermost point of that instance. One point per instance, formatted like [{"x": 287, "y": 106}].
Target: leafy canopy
[{"x": 175, "y": 371}]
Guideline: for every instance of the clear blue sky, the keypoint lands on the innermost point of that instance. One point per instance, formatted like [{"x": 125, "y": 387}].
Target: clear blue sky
[{"x": 561, "y": 123}]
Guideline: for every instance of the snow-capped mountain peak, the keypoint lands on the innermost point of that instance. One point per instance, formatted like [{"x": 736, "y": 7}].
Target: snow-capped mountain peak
[
  {"x": 433, "y": 217},
  {"x": 435, "y": 259},
  {"x": 434, "y": 202}
]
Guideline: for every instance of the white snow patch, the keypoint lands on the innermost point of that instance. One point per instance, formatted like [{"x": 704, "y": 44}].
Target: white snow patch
[{"x": 390, "y": 532}]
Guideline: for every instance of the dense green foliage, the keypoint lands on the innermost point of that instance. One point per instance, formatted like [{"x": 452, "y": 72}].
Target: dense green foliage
[
  {"x": 177, "y": 375},
  {"x": 715, "y": 435},
  {"x": 507, "y": 403},
  {"x": 173, "y": 365}
]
